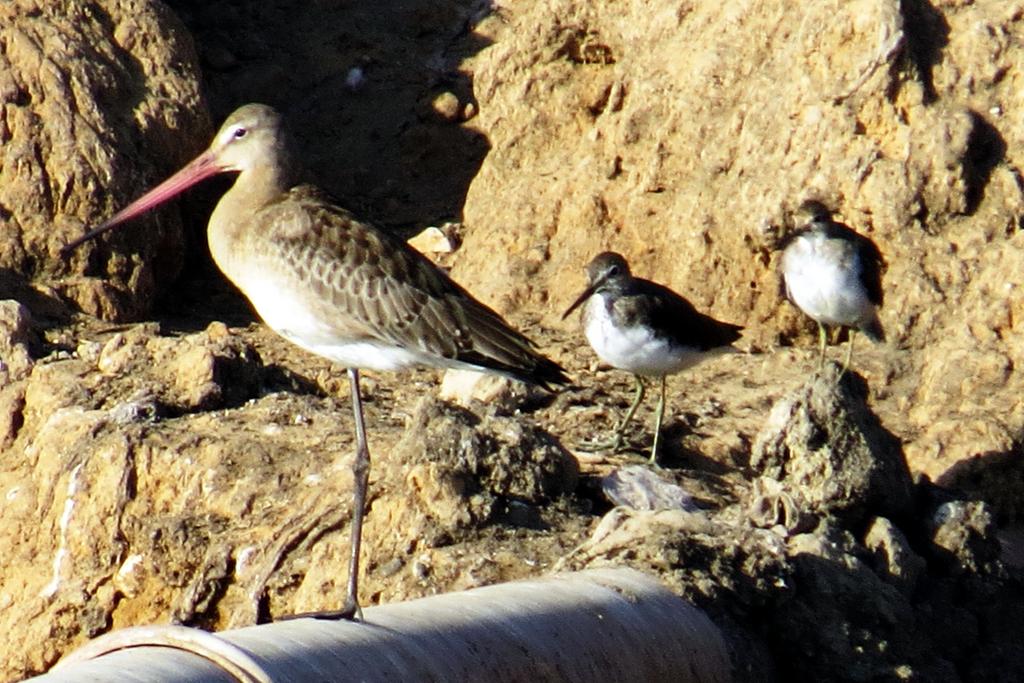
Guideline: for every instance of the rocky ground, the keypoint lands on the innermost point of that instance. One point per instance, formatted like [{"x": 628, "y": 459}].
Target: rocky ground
[{"x": 164, "y": 457}]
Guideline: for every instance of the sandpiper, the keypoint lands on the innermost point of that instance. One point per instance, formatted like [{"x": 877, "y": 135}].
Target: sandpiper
[
  {"x": 646, "y": 329},
  {"x": 336, "y": 286},
  {"x": 834, "y": 275}
]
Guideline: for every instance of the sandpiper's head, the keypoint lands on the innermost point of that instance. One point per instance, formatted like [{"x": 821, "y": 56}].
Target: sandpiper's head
[
  {"x": 605, "y": 268},
  {"x": 812, "y": 211}
]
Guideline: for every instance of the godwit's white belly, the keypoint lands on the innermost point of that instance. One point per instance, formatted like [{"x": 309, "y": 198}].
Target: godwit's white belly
[
  {"x": 635, "y": 349},
  {"x": 298, "y": 316},
  {"x": 824, "y": 283}
]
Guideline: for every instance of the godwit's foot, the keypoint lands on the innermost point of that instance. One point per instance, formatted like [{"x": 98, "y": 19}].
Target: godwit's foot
[
  {"x": 346, "y": 613},
  {"x": 350, "y": 612}
]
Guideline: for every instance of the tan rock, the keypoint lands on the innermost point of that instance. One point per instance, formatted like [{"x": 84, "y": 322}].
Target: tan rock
[
  {"x": 826, "y": 448},
  {"x": 447, "y": 106},
  {"x": 688, "y": 142},
  {"x": 16, "y": 338},
  {"x": 212, "y": 486},
  {"x": 96, "y": 109},
  {"x": 466, "y": 386}
]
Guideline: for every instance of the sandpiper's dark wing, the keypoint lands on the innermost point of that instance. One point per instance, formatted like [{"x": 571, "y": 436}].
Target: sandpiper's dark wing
[
  {"x": 664, "y": 310},
  {"x": 378, "y": 288},
  {"x": 871, "y": 262}
]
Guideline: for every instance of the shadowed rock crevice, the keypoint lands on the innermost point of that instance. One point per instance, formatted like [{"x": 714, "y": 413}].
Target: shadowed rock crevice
[
  {"x": 986, "y": 149},
  {"x": 927, "y": 34},
  {"x": 996, "y": 478}
]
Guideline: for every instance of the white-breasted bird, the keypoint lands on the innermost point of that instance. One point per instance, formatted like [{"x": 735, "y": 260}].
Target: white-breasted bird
[
  {"x": 645, "y": 328},
  {"x": 834, "y": 275}
]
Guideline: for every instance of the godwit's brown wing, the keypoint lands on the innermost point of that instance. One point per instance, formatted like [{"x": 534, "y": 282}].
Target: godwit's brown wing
[{"x": 364, "y": 286}]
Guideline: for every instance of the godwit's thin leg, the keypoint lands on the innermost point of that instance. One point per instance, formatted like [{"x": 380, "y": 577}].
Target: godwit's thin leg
[
  {"x": 659, "y": 414},
  {"x": 361, "y": 476}
]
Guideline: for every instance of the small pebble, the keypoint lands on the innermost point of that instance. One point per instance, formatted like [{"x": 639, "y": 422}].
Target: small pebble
[
  {"x": 432, "y": 240},
  {"x": 447, "y": 106},
  {"x": 355, "y": 78},
  {"x": 639, "y": 488}
]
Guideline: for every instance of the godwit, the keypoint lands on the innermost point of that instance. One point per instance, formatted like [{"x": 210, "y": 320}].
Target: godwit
[
  {"x": 333, "y": 285},
  {"x": 646, "y": 329},
  {"x": 834, "y": 275}
]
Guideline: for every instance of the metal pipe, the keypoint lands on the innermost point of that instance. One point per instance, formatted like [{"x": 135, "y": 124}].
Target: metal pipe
[{"x": 596, "y": 625}]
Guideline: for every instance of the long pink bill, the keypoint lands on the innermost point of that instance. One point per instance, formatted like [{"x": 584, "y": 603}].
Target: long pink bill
[{"x": 200, "y": 168}]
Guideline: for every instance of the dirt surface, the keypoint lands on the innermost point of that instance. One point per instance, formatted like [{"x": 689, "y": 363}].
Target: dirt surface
[{"x": 191, "y": 466}]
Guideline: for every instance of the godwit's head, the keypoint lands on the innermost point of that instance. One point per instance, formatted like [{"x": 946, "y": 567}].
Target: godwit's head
[
  {"x": 251, "y": 139},
  {"x": 252, "y": 136}
]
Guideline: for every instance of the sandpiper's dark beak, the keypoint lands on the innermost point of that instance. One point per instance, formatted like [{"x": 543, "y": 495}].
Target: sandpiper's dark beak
[
  {"x": 587, "y": 293},
  {"x": 202, "y": 167}
]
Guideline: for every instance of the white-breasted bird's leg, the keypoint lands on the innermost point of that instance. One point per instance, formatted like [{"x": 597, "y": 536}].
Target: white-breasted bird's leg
[
  {"x": 616, "y": 441},
  {"x": 637, "y": 400},
  {"x": 821, "y": 346},
  {"x": 849, "y": 352},
  {"x": 657, "y": 421}
]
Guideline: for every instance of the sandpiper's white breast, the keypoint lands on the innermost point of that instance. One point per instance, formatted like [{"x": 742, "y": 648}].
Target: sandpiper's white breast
[
  {"x": 823, "y": 279},
  {"x": 637, "y": 349}
]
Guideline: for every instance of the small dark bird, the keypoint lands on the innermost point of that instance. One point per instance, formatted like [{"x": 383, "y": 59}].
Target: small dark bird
[
  {"x": 834, "y": 275},
  {"x": 334, "y": 285},
  {"x": 646, "y": 329}
]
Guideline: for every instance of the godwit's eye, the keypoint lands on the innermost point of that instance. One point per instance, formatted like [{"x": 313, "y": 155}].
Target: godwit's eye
[
  {"x": 239, "y": 133},
  {"x": 614, "y": 270}
]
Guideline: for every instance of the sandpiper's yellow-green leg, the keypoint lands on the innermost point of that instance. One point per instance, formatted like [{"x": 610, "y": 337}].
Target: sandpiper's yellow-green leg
[
  {"x": 821, "y": 346},
  {"x": 615, "y": 442},
  {"x": 657, "y": 421},
  {"x": 637, "y": 400},
  {"x": 849, "y": 352}
]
